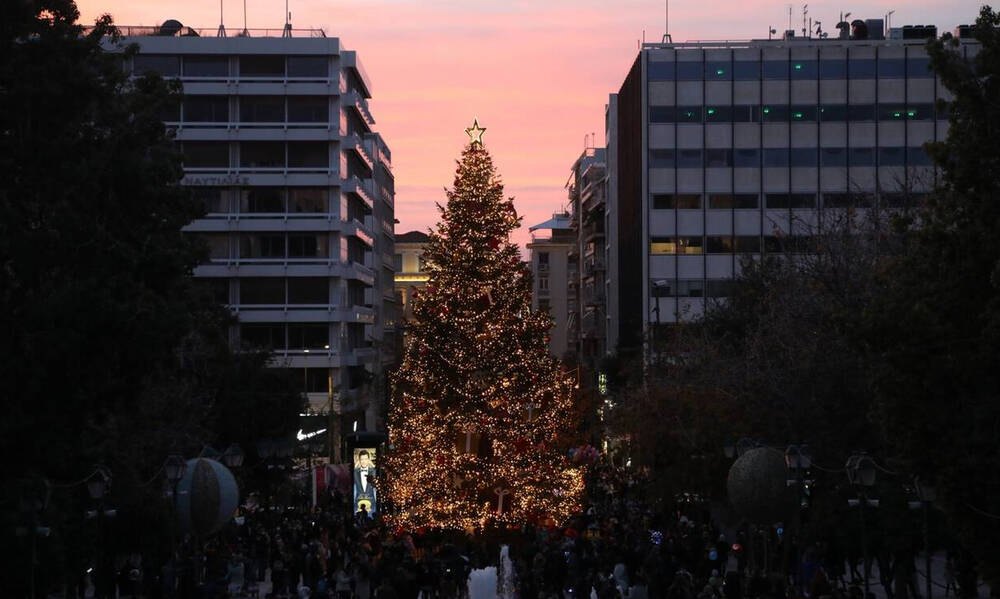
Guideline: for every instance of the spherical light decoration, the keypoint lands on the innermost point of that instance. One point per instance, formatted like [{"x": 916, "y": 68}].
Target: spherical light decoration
[
  {"x": 758, "y": 486},
  {"x": 207, "y": 497}
]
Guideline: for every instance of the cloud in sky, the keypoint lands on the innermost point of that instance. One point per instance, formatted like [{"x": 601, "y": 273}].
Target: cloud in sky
[{"x": 537, "y": 74}]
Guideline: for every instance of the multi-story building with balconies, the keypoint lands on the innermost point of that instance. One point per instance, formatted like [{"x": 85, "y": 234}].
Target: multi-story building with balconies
[
  {"x": 280, "y": 145},
  {"x": 552, "y": 273},
  {"x": 718, "y": 150}
]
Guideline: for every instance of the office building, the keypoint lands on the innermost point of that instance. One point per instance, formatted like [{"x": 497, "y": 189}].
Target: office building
[{"x": 280, "y": 144}]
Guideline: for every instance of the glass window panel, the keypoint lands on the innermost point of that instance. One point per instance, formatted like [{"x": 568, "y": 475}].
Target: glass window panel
[
  {"x": 718, "y": 158},
  {"x": 262, "y": 199},
  {"x": 214, "y": 199},
  {"x": 663, "y": 245},
  {"x": 861, "y": 112},
  {"x": 918, "y": 67},
  {"x": 802, "y": 200},
  {"x": 308, "y": 154},
  {"x": 746, "y": 113},
  {"x": 308, "y": 336},
  {"x": 689, "y": 71},
  {"x": 803, "y": 157},
  {"x": 716, "y": 244},
  {"x": 776, "y": 112},
  {"x": 661, "y": 159},
  {"x": 308, "y": 245},
  {"x": 718, "y": 114},
  {"x": 804, "y": 69},
  {"x": 165, "y": 65},
  {"x": 264, "y": 290},
  {"x": 206, "y": 66},
  {"x": 916, "y": 156},
  {"x": 218, "y": 245},
  {"x": 262, "y": 245},
  {"x": 689, "y": 114},
  {"x": 689, "y": 159},
  {"x": 746, "y": 158},
  {"x": 776, "y": 157},
  {"x": 263, "y": 335},
  {"x": 262, "y": 109},
  {"x": 746, "y": 70},
  {"x": 308, "y": 66},
  {"x": 262, "y": 154},
  {"x": 891, "y": 112},
  {"x": 802, "y": 113},
  {"x": 861, "y": 68},
  {"x": 661, "y": 114},
  {"x": 833, "y": 157},
  {"x": 776, "y": 200},
  {"x": 833, "y": 112},
  {"x": 890, "y": 157},
  {"x": 661, "y": 71},
  {"x": 746, "y": 244},
  {"x": 265, "y": 65},
  {"x": 891, "y": 68},
  {"x": 718, "y": 70},
  {"x": 307, "y": 199},
  {"x": 861, "y": 157},
  {"x": 689, "y": 245},
  {"x": 206, "y": 109},
  {"x": 205, "y": 154},
  {"x": 683, "y": 201},
  {"x": 775, "y": 69},
  {"x": 691, "y": 287},
  {"x": 308, "y": 109},
  {"x": 833, "y": 69},
  {"x": 308, "y": 290},
  {"x": 920, "y": 112}
]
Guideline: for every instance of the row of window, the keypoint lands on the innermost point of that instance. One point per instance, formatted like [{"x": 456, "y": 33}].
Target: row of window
[
  {"x": 285, "y": 336},
  {"x": 753, "y": 70},
  {"x": 782, "y": 201},
  {"x": 731, "y": 244},
  {"x": 251, "y": 109},
  {"x": 788, "y": 157},
  {"x": 691, "y": 287},
  {"x": 263, "y": 65},
  {"x": 267, "y": 200},
  {"x": 270, "y": 245},
  {"x": 279, "y": 291},
  {"x": 258, "y": 154},
  {"x": 782, "y": 113}
]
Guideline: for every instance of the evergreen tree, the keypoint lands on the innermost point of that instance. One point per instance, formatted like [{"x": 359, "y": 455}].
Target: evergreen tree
[{"x": 480, "y": 410}]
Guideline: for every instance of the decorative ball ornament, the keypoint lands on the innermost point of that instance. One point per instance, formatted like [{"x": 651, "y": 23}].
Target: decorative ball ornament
[
  {"x": 207, "y": 497},
  {"x": 757, "y": 486}
]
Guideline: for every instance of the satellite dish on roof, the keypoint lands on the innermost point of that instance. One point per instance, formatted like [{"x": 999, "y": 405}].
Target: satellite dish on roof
[{"x": 170, "y": 27}]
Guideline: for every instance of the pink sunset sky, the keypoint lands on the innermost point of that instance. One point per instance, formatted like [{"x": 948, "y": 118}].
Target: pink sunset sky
[{"x": 537, "y": 73}]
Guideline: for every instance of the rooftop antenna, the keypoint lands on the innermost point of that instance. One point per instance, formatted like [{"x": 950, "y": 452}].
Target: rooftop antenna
[
  {"x": 288, "y": 22},
  {"x": 805, "y": 30},
  {"x": 888, "y": 22},
  {"x": 222, "y": 27},
  {"x": 245, "y": 33},
  {"x": 789, "y": 18},
  {"x": 666, "y": 23}
]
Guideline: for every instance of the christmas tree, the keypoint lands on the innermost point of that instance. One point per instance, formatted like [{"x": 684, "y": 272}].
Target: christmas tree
[{"x": 481, "y": 412}]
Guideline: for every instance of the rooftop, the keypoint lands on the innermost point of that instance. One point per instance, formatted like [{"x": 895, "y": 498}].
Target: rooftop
[
  {"x": 174, "y": 28},
  {"x": 413, "y": 237}
]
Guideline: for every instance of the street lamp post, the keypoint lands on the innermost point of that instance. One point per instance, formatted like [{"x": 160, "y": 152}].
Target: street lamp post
[
  {"x": 861, "y": 474},
  {"x": 926, "y": 495}
]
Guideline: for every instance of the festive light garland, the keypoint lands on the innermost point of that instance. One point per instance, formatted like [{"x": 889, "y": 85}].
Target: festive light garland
[{"x": 480, "y": 411}]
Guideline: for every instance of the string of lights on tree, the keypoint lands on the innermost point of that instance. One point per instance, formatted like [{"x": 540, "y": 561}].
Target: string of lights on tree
[{"x": 480, "y": 411}]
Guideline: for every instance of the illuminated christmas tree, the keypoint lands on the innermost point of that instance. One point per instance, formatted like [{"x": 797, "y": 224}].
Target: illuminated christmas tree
[{"x": 481, "y": 412}]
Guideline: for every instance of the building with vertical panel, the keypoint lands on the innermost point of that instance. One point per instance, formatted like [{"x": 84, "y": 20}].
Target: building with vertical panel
[
  {"x": 280, "y": 144},
  {"x": 552, "y": 243},
  {"x": 726, "y": 149}
]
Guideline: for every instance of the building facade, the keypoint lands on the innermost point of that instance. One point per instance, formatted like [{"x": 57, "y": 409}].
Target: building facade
[
  {"x": 551, "y": 244},
  {"x": 722, "y": 150},
  {"x": 411, "y": 276},
  {"x": 280, "y": 145}
]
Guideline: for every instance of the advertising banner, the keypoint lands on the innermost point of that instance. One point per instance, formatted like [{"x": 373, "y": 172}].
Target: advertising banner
[{"x": 365, "y": 498}]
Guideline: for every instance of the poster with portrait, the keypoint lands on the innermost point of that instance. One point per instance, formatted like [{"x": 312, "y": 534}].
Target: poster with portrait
[{"x": 365, "y": 498}]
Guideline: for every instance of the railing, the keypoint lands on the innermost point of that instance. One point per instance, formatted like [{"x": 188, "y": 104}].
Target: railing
[{"x": 157, "y": 31}]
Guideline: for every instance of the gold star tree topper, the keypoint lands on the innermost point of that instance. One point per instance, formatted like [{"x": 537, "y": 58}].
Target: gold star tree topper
[{"x": 475, "y": 133}]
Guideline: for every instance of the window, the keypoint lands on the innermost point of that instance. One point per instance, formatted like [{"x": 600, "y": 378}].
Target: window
[
  {"x": 270, "y": 336},
  {"x": 891, "y": 112},
  {"x": 847, "y": 200},
  {"x": 861, "y": 112},
  {"x": 719, "y": 288},
  {"x": 543, "y": 259},
  {"x": 774, "y": 113},
  {"x": 718, "y": 114},
  {"x": 544, "y": 305},
  {"x": 308, "y": 336},
  {"x": 861, "y": 157},
  {"x": 690, "y": 288},
  {"x": 804, "y": 69},
  {"x": 307, "y": 199},
  {"x": 802, "y": 113},
  {"x": 683, "y": 201},
  {"x": 662, "y": 245},
  {"x": 308, "y": 66},
  {"x": 317, "y": 380},
  {"x": 802, "y": 200},
  {"x": 802, "y": 157},
  {"x": 262, "y": 154},
  {"x": 661, "y": 159},
  {"x": 746, "y": 158},
  {"x": 718, "y": 71},
  {"x": 308, "y": 109},
  {"x": 776, "y": 157},
  {"x": 262, "y": 109},
  {"x": 308, "y": 290},
  {"x": 205, "y": 154},
  {"x": 718, "y": 158},
  {"x": 262, "y": 245},
  {"x": 661, "y": 71},
  {"x": 833, "y": 157},
  {"x": 165, "y": 65},
  {"x": 397, "y": 262},
  {"x": 746, "y": 244},
  {"x": 777, "y": 200},
  {"x": 262, "y": 199},
  {"x": 891, "y": 68},
  {"x": 218, "y": 245},
  {"x": 746, "y": 70},
  {"x": 206, "y": 109},
  {"x": 689, "y": 71},
  {"x": 861, "y": 68},
  {"x": 306, "y": 246},
  {"x": 890, "y": 157},
  {"x": 689, "y": 159},
  {"x": 718, "y": 244},
  {"x": 746, "y": 113},
  {"x": 916, "y": 156},
  {"x": 919, "y": 68},
  {"x": 833, "y": 69},
  {"x": 214, "y": 199},
  {"x": 688, "y": 114},
  {"x": 268, "y": 290},
  {"x": 308, "y": 154},
  {"x": 543, "y": 283},
  {"x": 206, "y": 66},
  {"x": 833, "y": 112},
  {"x": 661, "y": 114},
  {"x": 266, "y": 65},
  {"x": 689, "y": 245},
  {"x": 775, "y": 69},
  {"x": 729, "y": 201}
]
